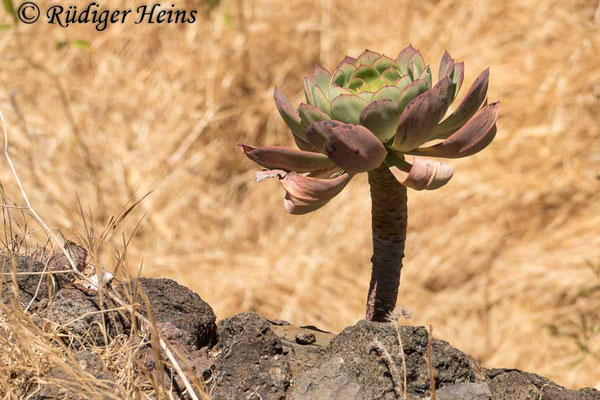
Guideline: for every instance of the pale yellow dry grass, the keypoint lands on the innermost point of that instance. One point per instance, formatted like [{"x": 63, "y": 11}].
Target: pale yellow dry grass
[{"x": 492, "y": 258}]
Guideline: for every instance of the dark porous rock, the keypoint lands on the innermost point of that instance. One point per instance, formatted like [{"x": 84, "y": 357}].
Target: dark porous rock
[
  {"x": 512, "y": 384},
  {"x": 64, "y": 382},
  {"x": 278, "y": 322},
  {"x": 251, "y": 363},
  {"x": 260, "y": 359},
  {"x": 330, "y": 380},
  {"x": 203, "y": 364},
  {"x": 351, "y": 363},
  {"x": 80, "y": 320},
  {"x": 196, "y": 362},
  {"x": 301, "y": 337},
  {"x": 249, "y": 357},
  {"x": 32, "y": 277},
  {"x": 305, "y": 338},
  {"x": 451, "y": 365},
  {"x": 179, "y": 338},
  {"x": 465, "y": 391},
  {"x": 305, "y": 353},
  {"x": 176, "y": 304},
  {"x": 368, "y": 354}
]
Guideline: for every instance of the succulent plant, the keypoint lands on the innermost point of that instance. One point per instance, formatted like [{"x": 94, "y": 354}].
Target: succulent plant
[{"x": 367, "y": 116}]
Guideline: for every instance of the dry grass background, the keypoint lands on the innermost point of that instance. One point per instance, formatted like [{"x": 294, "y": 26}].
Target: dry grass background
[{"x": 492, "y": 258}]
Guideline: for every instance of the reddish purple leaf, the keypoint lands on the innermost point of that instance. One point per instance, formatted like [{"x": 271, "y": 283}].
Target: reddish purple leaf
[
  {"x": 425, "y": 174},
  {"x": 445, "y": 65},
  {"x": 417, "y": 121},
  {"x": 288, "y": 159},
  {"x": 318, "y": 132},
  {"x": 305, "y": 194},
  {"x": 289, "y": 115},
  {"x": 302, "y": 145},
  {"x": 445, "y": 90},
  {"x": 465, "y": 110},
  {"x": 353, "y": 147},
  {"x": 473, "y": 137}
]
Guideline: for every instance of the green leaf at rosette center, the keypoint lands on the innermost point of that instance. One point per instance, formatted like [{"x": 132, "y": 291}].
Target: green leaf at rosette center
[
  {"x": 391, "y": 75},
  {"x": 356, "y": 84},
  {"x": 410, "y": 92},
  {"x": 426, "y": 76},
  {"x": 309, "y": 114},
  {"x": 289, "y": 115},
  {"x": 321, "y": 100},
  {"x": 366, "y": 73},
  {"x": 387, "y": 92},
  {"x": 321, "y": 77},
  {"x": 309, "y": 86},
  {"x": 347, "y": 108},
  {"x": 383, "y": 63},
  {"x": 367, "y": 57},
  {"x": 381, "y": 117},
  {"x": 339, "y": 78}
]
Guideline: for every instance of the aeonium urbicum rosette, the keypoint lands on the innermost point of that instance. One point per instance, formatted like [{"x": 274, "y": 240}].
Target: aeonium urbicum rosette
[{"x": 367, "y": 116}]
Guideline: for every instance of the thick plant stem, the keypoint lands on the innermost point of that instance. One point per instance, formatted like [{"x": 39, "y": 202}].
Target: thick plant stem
[{"x": 388, "y": 221}]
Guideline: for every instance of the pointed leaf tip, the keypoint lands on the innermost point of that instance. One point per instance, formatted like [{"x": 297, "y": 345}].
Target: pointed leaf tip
[
  {"x": 308, "y": 91},
  {"x": 289, "y": 115},
  {"x": 467, "y": 107},
  {"x": 383, "y": 63},
  {"x": 407, "y": 55},
  {"x": 471, "y": 138},
  {"x": 285, "y": 158},
  {"x": 367, "y": 57},
  {"x": 321, "y": 77},
  {"x": 346, "y": 60},
  {"x": 445, "y": 65}
]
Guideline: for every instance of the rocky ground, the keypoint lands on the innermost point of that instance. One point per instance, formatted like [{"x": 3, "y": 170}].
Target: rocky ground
[{"x": 250, "y": 357}]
